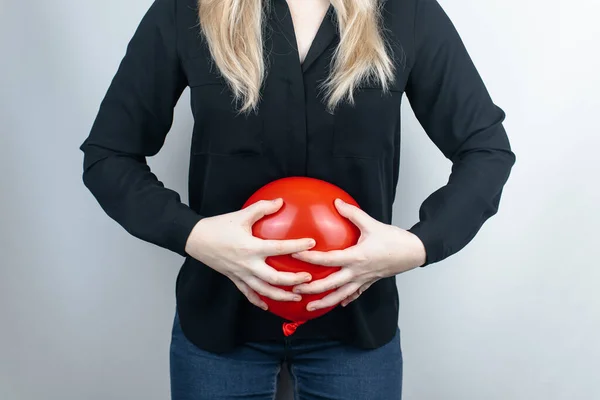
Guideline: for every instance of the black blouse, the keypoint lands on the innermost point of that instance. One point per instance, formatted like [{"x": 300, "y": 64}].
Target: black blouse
[{"x": 357, "y": 148}]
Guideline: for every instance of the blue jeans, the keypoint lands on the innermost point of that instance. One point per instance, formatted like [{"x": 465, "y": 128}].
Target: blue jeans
[{"x": 320, "y": 370}]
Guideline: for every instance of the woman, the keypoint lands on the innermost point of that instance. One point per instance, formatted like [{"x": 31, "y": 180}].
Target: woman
[{"x": 296, "y": 88}]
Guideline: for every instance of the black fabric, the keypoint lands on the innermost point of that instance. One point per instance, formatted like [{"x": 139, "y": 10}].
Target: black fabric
[{"x": 357, "y": 148}]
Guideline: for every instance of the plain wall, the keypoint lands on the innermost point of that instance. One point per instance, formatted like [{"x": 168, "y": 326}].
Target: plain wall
[{"x": 515, "y": 315}]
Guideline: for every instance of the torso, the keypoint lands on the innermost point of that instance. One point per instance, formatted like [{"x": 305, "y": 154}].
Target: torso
[
  {"x": 292, "y": 134},
  {"x": 356, "y": 148},
  {"x": 307, "y": 16}
]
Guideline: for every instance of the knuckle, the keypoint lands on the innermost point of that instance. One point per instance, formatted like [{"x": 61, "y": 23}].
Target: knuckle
[
  {"x": 361, "y": 258},
  {"x": 254, "y": 301},
  {"x": 275, "y": 279},
  {"x": 253, "y": 284},
  {"x": 253, "y": 298},
  {"x": 279, "y": 296},
  {"x": 238, "y": 278},
  {"x": 239, "y": 286},
  {"x": 240, "y": 273},
  {"x": 246, "y": 249},
  {"x": 271, "y": 293},
  {"x": 243, "y": 289},
  {"x": 321, "y": 261},
  {"x": 258, "y": 289},
  {"x": 279, "y": 247}
]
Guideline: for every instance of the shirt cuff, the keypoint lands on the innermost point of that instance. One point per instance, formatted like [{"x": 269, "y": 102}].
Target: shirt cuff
[
  {"x": 434, "y": 246},
  {"x": 181, "y": 228}
]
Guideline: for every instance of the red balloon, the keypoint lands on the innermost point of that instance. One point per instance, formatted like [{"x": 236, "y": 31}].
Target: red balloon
[{"x": 308, "y": 211}]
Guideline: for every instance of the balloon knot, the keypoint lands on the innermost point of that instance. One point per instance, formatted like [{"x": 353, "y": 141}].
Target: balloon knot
[{"x": 290, "y": 327}]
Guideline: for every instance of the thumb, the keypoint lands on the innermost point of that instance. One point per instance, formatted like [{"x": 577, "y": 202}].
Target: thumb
[
  {"x": 357, "y": 216},
  {"x": 262, "y": 208}
]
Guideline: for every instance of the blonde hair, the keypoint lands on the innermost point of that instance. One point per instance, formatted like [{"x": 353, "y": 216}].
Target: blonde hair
[{"x": 233, "y": 30}]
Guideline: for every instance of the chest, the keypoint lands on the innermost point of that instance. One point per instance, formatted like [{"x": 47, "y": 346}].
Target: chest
[
  {"x": 292, "y": 126},
  {"x": 307, "y": 16}
]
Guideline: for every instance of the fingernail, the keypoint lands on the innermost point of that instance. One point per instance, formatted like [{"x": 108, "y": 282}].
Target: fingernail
[
  {"x": 297, "y": 298},
  {"x": 307, "y": 277},
  {"x": 296, "y": 290},
  {"x": 312, "y": 243},
  {"x": 311, "y": 308}
]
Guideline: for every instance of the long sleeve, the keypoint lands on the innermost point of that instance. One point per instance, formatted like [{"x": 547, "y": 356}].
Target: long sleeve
[
  {"x": 452, "y": 104},
  {"x": 132, "y": 123}
]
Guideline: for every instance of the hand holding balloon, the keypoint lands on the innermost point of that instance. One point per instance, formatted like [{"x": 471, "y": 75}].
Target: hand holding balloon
[
  {"x": 308, "y": 211},
  {"x": 382, "y": 251},
  {"x": 226, "y": 244}
]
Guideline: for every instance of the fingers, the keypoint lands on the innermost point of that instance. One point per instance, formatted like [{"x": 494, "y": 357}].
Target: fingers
[
  {"x": 334, "y": 258},
  {"x": 350, "y": 299},
  {"x": 356, "y": 294},
  {"x": 357, "y": 216},
  {"x": 250, "y": 294},
  {"x": 271, "y": 292},
  {"x": 262, "y": 208},
  {"x": 333, "y": 281},
  {"x": 334, "y": 298},
  {"x": 281, "y": 247},
  {"x": 278, "y": 278}
]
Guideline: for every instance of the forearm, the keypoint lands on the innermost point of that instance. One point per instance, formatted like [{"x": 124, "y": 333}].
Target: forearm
[
  {"x": 452, "y": 216},
  {"x": 131, "y": 194}
]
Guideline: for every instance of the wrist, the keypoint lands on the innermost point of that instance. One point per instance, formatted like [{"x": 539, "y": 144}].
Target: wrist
[
  {"x": 413, "y": 249},
  {"x": 192, "y": 244}
]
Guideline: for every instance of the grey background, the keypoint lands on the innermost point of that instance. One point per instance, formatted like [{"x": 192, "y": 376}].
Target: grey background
[{"x": 513, "y": 316}]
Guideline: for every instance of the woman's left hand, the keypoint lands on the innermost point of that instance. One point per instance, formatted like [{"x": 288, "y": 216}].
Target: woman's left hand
[{"x": 382, "y": 251}]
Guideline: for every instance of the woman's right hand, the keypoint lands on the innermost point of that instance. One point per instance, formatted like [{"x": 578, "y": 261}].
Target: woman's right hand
[{"x": 225, "y": 243}]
